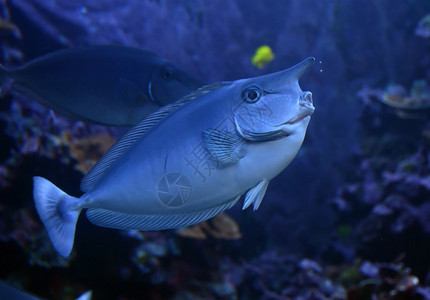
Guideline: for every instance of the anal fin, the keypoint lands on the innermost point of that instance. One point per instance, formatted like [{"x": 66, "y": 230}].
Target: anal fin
[{"x": 126, "y": 221}]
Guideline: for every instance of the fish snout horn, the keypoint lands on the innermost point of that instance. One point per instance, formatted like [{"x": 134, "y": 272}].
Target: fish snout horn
[{"x": 298, "y": 70}]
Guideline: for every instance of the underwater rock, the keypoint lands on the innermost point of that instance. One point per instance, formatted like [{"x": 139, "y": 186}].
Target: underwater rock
[
  {"x": 20, "y": 226},
  {"x": 32, "y": 130},
  {"x": 410, "y": 185},
  {"x": 208, "y": 291},
  {"x": 37, "y": 130},
  {"x": 386, "y": 281},
  {"x": 381, "y": 210},
  {"x": 282, "y": 276},
  {"x": 148, "y": 255},
  {"x": 388, "y": 210}
]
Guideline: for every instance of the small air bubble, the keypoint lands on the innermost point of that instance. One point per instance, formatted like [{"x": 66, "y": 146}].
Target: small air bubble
[{"x": 321, "y": 70}]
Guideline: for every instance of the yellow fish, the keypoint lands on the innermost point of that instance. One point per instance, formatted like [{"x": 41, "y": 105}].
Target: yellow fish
[{"x": 263, "y": 55}]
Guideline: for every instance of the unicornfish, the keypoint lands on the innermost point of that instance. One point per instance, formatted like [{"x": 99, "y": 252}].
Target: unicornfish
[
  {"x": 190, "y": 160},
  {"x": 110, "y": 85},
  {"x": 10, "y": 293}
]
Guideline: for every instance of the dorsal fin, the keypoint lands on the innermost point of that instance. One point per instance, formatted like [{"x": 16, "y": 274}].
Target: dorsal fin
[{"x": 96, "y": 172}]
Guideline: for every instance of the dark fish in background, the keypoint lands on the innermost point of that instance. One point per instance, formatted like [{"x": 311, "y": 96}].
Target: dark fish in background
[{"x": 110, "y": 85}]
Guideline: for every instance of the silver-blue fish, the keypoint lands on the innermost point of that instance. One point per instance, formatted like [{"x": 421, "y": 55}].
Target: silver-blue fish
[
  {"x": 189, "y": 161},
  {"x": 110, "y": 85},
  {"x": 8, "y": 292}
]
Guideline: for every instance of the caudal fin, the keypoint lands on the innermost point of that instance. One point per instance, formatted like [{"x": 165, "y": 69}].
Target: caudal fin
[{"x": 59, "y": 213}]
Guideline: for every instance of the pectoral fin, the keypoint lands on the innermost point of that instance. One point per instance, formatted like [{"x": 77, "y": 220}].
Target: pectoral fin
[
  {"x": 256, "y": 194},
  {"x": 225, "y": 147}
]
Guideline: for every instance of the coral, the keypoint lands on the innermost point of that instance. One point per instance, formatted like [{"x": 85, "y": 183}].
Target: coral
[
  {"x": 222, "y": 226},
  {"x": 423, "y": 27},
  {"x": 279, "y": 276},
  {"x": 37, "y": 130},
  {"x": 412, "y": 104},
  {"x": 385, "y": 201},
  {"x": 276, "y": 276},
  {"x": 33, "y": 131},
  {"x": 195, "y": 232},
  {"x": 387, "y": 281},
  {"x": 417, "y": 98},
  {"x": 88, "y": 150}
]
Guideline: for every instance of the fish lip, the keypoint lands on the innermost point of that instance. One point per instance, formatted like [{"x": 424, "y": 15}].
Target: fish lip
[
  {"x": 296, "y": 120},
  {"x": 309, "y": 111}
]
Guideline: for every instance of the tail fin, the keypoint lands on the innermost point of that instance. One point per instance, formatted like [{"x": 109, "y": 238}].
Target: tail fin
[{"x": 59, "y": 213}]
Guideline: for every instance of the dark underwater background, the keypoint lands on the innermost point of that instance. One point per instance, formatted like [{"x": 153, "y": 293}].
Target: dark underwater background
[{"x": 348, "y": 219}]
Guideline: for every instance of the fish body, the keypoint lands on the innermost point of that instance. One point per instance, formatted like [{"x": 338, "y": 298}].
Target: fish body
[
  {"x": 10, "y": 293},
  {"x": 189, "y": 161},
  {"x": 110, "y": 85}
]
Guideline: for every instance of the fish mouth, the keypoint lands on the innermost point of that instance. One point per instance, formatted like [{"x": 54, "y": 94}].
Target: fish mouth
[
  {"x": 296, "y": 120},
  {"x": 305, "y": 114}
]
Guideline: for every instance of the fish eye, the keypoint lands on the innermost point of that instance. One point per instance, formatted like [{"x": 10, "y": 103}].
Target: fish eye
[
  {"x": 167, "y": 74},
  {"x": 251, "y": 94}
]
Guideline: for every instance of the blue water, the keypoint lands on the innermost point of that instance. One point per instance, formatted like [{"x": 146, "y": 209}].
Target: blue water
[{"x": 348, "y": 219}]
